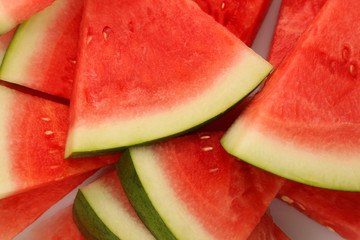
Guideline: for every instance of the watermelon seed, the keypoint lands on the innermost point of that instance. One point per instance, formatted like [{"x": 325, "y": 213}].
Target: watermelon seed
[
  {"x": 88, "y": 40},
  {"x": 330, "y": 228},
  {"x": 214, "y": 170},
  {"x": 49, "y": 132},
  {"x": 207, "y": 149},
  {"x": 223, "y": 6},
  {"x": 205, "y": 137},
  {"x": 46, "y": 119},
  {"x": 287, "y": 199},
  {"x": 106, "y": 32},
  {"x": 346, "y": 53},
  {"x": 301, "y": 206},
  {"x": 353, "y": 70}
]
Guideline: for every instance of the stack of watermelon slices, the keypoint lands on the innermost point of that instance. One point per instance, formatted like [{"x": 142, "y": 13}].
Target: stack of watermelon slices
[{"x": 143, "y": 85}]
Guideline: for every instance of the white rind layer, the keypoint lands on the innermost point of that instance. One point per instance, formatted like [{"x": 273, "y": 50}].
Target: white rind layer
[
  {"x": 173, "y": 211},
  {"x": 27, "y": 42},
  {"x": 6, "y": 183},
  {"x": 240, "y": 79},
  {"x": 112, "y": 212},
  {"x": 333, "y": 170}
]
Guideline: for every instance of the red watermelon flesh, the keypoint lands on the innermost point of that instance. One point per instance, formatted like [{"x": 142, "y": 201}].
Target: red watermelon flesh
[
  {"x": 294, "y": 17},
  {"x": 15, "y": 12},
  {"x": 60, "y": 226},
  {"x": 242, "y": 18},
  {"x": 5, "y": 41},
  {"x": 42, "y": 53},
  {"x": 337, "y": 210},
  {"x": 19, "y": 211},
  {"x": 308, "y": 109},
  {"x": 267, "y": 230},
  {"x": 32, "y": 143}
]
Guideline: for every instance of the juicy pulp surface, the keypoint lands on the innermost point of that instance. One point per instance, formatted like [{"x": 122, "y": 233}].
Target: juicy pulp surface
[
  {"x": 304, "y": 125},
  {"x": 13, "y": 13},
  {"x": 32, "y": 143},
  {"x": 19, "y": 211},
  {"x": 337, "y": 210},
  {"x": 195, "y": 185},
  {"x": 42, "y": 54},
  {"x": 294, "y": 17},
  {"x": 267, "y": 230},
  {"x": 161, "y": 68},
  {"x": 242, "y": 18},
  {"x": 102, "y": 206}
]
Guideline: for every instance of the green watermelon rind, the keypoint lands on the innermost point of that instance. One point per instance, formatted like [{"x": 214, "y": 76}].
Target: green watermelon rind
[
  {"x": 316, "y": 168},
  {"x": 139, "y": 198},
  {"x": 98, "y": 211},
  {"x": 239, "y": 80},
  {"x": 88, "y": 223}
]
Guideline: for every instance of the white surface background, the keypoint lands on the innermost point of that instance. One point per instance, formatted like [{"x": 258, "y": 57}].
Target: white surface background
[{"x": 296, "y": 225}]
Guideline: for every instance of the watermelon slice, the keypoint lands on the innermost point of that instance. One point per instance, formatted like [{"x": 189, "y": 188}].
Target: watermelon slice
[
  {"x": 294, "y": 17},
  {"x": 147, "y": 70},
  {"x": 59, "y": 227},
  {"x": 4, "y": 43},
  {"x": 49, "y": 69},
  {"x": 101, "y": 205},
  {"x": 32, "y": 143},
  {"x": 309, "y": 132},
  {"x": 19, "y": 211},
  {"x": 242, "y": 18},
  {"x": 13, "y": 13},
  {"x": 337, "y": 210},
  {"x": 190, "y": 187}
]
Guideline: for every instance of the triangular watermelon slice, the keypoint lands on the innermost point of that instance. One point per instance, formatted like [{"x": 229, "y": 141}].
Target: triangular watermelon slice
[
  {"x": 15, "y": 12},
  {"x": 294, "y": 17},
  {"x": 304, "y": 124},
  {"x": 148, "y": 70},
  {"x": 19, "y": 211},
  {"x": 42, "y": 53},
  {"x": 32, "y": 143},
  {"x": 242, "y": 18},
  {"x": 190, "y": 188}
]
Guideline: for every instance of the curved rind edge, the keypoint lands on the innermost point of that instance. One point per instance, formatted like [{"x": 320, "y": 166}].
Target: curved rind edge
[{"x": 139, "y": 199}]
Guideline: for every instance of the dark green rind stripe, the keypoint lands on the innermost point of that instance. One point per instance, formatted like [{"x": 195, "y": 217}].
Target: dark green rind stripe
[
  {"x": 140, "y": 200},
  {"x": 87, "y": 221}
]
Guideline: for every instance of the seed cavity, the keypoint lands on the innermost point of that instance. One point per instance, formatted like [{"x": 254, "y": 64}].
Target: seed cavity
[
  {"x": 55, "y": 166},
  {"x": 287, "y": 199},
  {"x": 346, "y": 53},
  {"x": 131, "y": 26},
  {"x": 107, "y": 32},
  {"x": 205, "y": 149}
]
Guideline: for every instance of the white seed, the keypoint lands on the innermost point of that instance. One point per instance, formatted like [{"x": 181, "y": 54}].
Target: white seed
[
  {"x": 205, "y": 137},
  {"x": 46, "y": 119},
  {"x": 213, "y": 170},
  {"x": 207, "y": 149},
  {"x": 287, "y": 199},
  {"x": 49, "y": 132}
]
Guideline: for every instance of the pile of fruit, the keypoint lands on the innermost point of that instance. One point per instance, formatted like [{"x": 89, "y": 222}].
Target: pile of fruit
[{"x": 194, "y": 133}]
